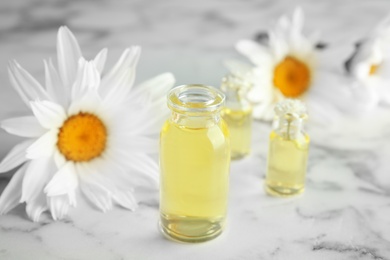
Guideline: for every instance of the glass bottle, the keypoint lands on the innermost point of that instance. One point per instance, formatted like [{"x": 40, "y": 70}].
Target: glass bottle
[
  {"x": 237, "y": 113},
  {"x": 194, "y": 163},
  {"x": 288, "y": 150}
]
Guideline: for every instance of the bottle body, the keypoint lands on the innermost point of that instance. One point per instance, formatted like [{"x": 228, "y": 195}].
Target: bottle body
[
  {"x": 288, "y": 150},
  {"x": 240, "y": 128},
  {"x": 237, "y": 113},
  {"x": 287, "y": 163},
  {"x": 194, "y": 163}
]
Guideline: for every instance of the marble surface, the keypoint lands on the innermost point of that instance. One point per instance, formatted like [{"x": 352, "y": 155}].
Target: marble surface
[{"x": 345, "y": 211}]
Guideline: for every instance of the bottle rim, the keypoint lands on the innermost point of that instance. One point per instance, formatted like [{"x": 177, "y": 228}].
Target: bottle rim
[
  {"x": 195, "y": 98},
  {"x": 237, "y": 82}
]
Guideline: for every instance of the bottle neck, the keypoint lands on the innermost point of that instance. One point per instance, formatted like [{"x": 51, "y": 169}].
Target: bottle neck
[
  {"x": 235, "y": 100},
  {"x": 235, "y": 88},
  {"x": 204, "y": 120}
]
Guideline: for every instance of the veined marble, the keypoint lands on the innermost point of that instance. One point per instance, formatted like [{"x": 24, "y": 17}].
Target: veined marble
[{"x": 345, "y": 210}]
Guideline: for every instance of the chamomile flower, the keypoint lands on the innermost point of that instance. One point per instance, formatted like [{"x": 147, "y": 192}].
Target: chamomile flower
[
  {"x": 285, "y": 67},
  {"x": 370, "y": 65},
  {"x": 89, "y": 131}
]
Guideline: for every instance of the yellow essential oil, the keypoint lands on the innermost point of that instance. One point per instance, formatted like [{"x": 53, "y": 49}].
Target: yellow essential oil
[
  {"x": 240, "y": 128},
  {"x": 194, "y": 162},
  {"x": 237, "y": 113},
  {"x": 288, "y": 151}
]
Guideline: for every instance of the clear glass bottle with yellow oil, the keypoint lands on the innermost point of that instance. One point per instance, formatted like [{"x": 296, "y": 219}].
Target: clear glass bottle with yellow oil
[
  {"x": 237, "y": 113},
  {"x": 194, "y": 163},
  {"x": 288, "y": 150}
]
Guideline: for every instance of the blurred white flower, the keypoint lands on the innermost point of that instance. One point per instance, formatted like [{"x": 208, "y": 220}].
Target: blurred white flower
[
  {"x": 285, "y": 67},
  {"x": 89, "y": 131},
  {"x": 370, "y": 65}
]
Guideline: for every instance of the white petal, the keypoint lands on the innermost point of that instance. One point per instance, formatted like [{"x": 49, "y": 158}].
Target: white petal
[
  {"x": 63, "y": 182},
  {"x": 49, "y": 114},
  {"x": 16, "y": 156},
  {"x": 361, "y": 70},
  {"x": 263, "y": 89},
  {"x": 91, "y": 172},
  {"x": 98, "y": 196},
  {"x": 90, "y": 102},
  {"x": 114, "y": 176},
  {"x": 135, "y": 143},
  {"x": 95, "y": 192},
  {"x": 283, "y": 24},
  {"x": 43, "y": 146},
  {"x": 125, "y": 199},
  {"x": 100, "y": 60},
  {"x": 157, "y": 113},
  {"x": 121, "y": 77},
  {"x": 68, "y": 54},
  {"x": 279, "y": 47},
  {"x": 384, "y": 93},
  {"x": 120, "y": 89},
  {"x": 87, "y": 79},
  {"x": 351, "y": 96},
  {"x": 35, "y": 207},
  {"x": 26, "y": 126},
  {"x": 23, "y": 95},
  {"x": 298, "y": 19},
  {"x": 27, "y": 87},
  {"x": 381, "y": 83},
  {"x": 37, "y": 175},
  {"x": 361, "y": 97},
  {"x": 147, "y": 165},
  {"x": 157, "y": 87},
  {"x": 59, "y": 159},
  {"x": 72, "y": 198},
  {"x": 255, "y": 95},
  {"x": 11, "y": 195},
  {"x": 59, "y": 206},
  {"x": 255, "y": 52},
  {"x": 54, "y": 85},
  {"x": 368, "y": 53},
  {"x": 139, "y": 162},
  {"x": 237, "y": 67}
]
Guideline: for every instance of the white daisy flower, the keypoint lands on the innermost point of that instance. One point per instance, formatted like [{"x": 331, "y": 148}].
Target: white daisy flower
[
  {"x": 370, "y": 65},
  {"x": 88, "y": 131},
  {"x": 285, "y": 67}
]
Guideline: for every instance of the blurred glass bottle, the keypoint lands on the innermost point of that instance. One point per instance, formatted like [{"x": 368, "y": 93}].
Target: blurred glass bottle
[
  {"x": 288, "y": 150},
  {"x": 194, "y": 162},
  {"x": 237, "y": 113}
]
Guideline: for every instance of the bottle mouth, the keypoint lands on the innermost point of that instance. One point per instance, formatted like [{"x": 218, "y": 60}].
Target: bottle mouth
[
  {"x": 195, "y": 98},
  {"x": 291, "y": 109},
  {"x": 237, "y": 82}
]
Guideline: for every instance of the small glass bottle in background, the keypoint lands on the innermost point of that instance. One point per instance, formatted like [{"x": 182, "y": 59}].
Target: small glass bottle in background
[
  {"x": 237, "y": 113},
  {"x": 194, "y": 163},
  {"x": 288, "y": 150}
]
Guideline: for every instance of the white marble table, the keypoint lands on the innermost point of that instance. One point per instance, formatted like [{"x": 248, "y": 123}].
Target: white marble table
[{"x": 345, "y": 211}]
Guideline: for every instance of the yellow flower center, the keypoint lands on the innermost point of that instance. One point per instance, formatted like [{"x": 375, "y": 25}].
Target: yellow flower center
[
  {"x": 292, "y": 77},
  {"x": 82, "y": 137},
  {"x": 373, "y": 69}
]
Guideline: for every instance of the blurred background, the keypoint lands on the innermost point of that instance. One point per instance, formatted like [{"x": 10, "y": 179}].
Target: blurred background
[
  {"x": 188, "y": 38},
  {"x": 345, "y": 212}
]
